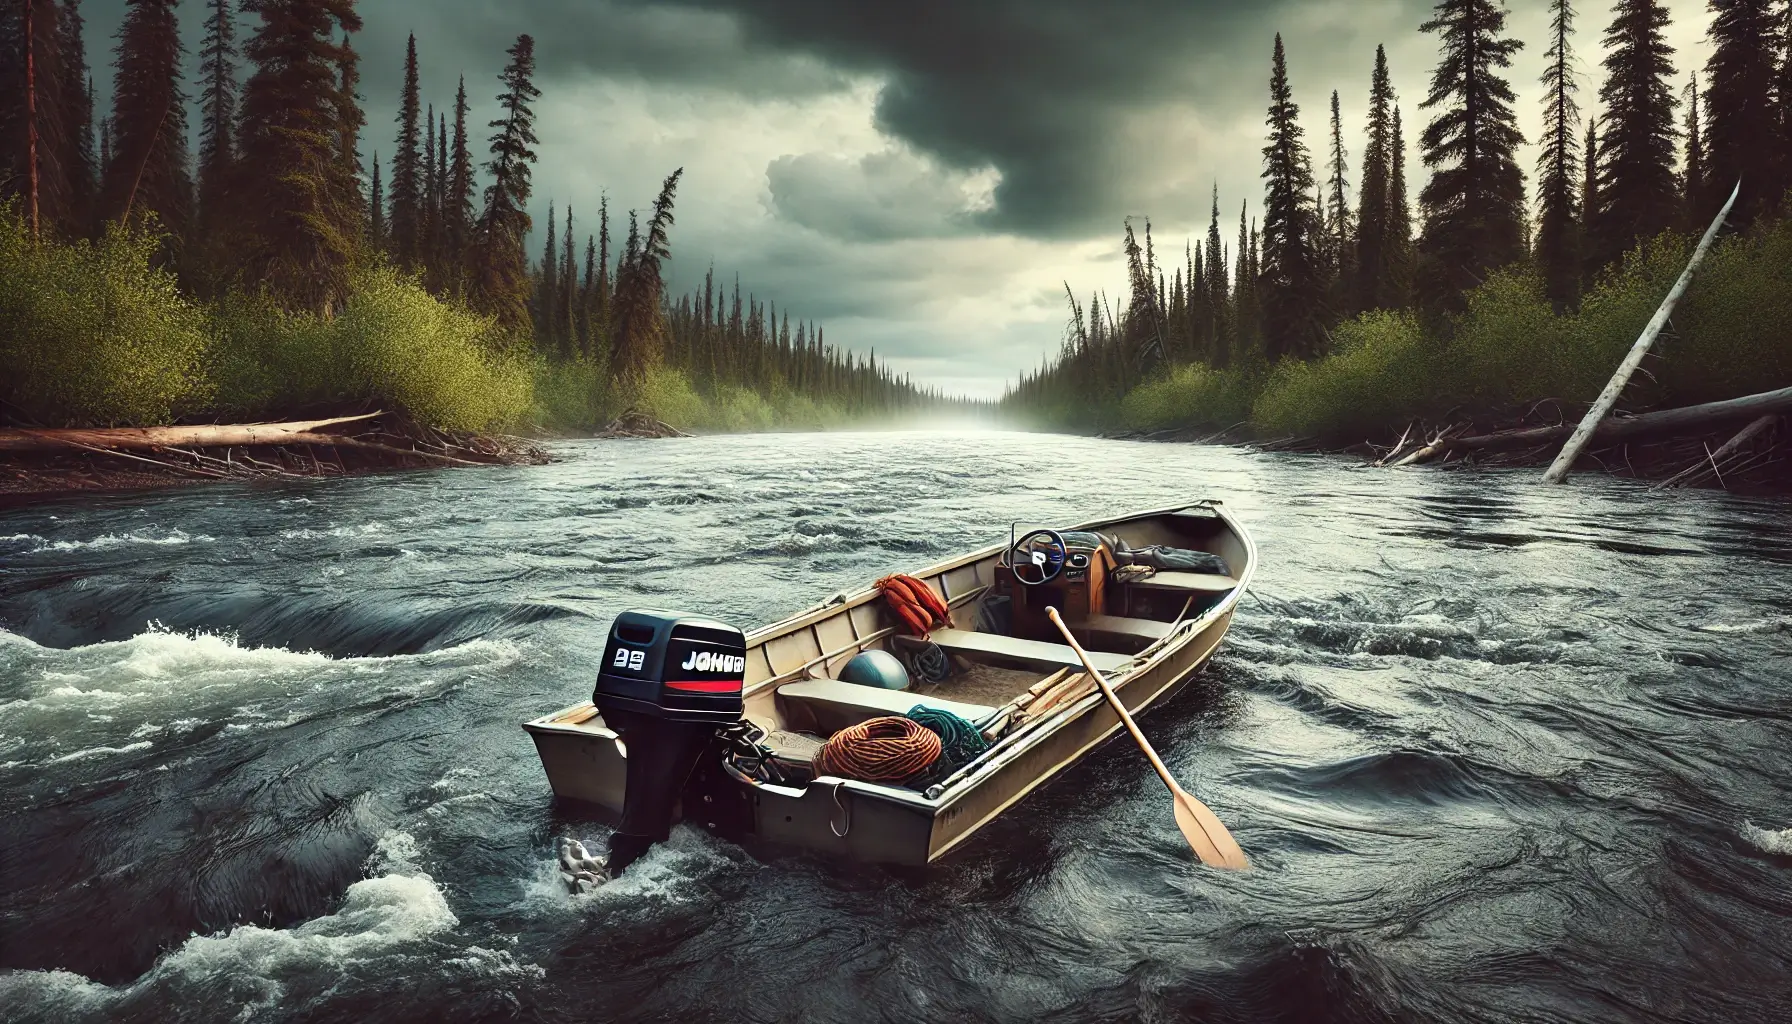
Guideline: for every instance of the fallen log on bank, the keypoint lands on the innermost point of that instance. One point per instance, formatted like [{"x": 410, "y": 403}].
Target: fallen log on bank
[
  {"x": 205, "y": 435},
  {"x": 1688, "y": 419},
  {"x": 39, "y": 462}
]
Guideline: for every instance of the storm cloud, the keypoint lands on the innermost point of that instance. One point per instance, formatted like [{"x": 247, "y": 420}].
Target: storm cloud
[{"x": 924, "y": 176}]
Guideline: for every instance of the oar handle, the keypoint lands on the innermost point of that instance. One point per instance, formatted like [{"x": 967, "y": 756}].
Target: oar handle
[{"x": 1114, "y": 700}]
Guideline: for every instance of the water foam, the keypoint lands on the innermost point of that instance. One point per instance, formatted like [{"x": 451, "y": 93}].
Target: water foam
[
  {"x": 169, "y": 538},
  {"x": 255, "y": 966},
  {"x": 1768, "y": 840}
]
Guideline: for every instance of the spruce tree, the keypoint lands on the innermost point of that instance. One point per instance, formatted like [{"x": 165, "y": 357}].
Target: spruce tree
[
  {"x": 1402, "y": 255},
  {"x": 217, "y": 110},
  {"x": 1692, "y": 162},
  {"x": 1638, "y": 194},
  {"x": 1292, "y": 293},
  {"x": 429, "y": 204},
  {"x": 76, "y": 162},
  {"x": 1558, "y": 168},
  {"x": 406, "y": 188},
  {"x": 1245, "y": 333},
  {"x": 296, "y": 201},
  {"x": 546, "y": 289},
  {"x": 1372, "y": 254},
  {"x": 1214, "y": 271},
  {"x": 640, "y": 327},
  {"x": 457, "y": 207},
  {"x": 376, "y": 209},
  {"x": 1740, "y": 121},
  {"x": 349, "y": 122},
  {"x": 1474, "y": 203},
  {"x": 565, "y": 311},
  {"x": 1589, "y": 200},
  {"x": 1341, "y": 242},
  {"x": 149, "y": 173},
  {"x": 498, "y": 268}
]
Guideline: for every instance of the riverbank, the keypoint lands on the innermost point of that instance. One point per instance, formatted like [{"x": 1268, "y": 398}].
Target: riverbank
[
  {"x": 1741, "y": 452},
  {"x": 41, "y": 465}
]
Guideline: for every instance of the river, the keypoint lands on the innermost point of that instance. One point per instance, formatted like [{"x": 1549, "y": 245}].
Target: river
[{"x": 1499, "y": 751}]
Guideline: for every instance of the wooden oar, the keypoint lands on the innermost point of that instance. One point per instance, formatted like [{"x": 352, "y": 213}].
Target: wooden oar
[{"x": 1200, "y": 826}]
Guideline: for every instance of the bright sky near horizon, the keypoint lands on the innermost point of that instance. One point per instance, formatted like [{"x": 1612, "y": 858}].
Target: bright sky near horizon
[{"x": 923, "y": 177}]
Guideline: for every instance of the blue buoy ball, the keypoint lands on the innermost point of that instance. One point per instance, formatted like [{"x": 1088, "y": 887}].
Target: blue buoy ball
[{"x": 876, "y": 668}]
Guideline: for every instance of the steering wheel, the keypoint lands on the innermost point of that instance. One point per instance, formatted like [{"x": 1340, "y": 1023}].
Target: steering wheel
[{"x": 1047, "y": 559}]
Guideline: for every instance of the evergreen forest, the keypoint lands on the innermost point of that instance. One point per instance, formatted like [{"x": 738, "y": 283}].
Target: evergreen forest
[
  {"x": 1353, "y": 307},
  {"x": 274, "y": 269}
]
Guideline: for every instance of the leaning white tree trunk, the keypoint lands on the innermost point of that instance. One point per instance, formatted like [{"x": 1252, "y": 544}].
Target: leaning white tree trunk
[{"x": 1558, "y": 470}]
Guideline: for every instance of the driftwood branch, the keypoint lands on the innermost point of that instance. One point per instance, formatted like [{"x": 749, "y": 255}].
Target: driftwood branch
[
  {"x": 201, "y": 436},
  {"x": 1654, "y": 424},
  {"x": 1713, "y": 460}
]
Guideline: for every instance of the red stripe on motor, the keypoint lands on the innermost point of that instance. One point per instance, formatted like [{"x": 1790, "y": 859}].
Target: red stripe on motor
[{"x": 705, "y": 685}]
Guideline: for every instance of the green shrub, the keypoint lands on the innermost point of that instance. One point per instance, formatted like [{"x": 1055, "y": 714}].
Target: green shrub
[
  {"x": 94, "y": 333},
  {"x": 571, "y": 397},
  {"x": 392, "y": 342},
  {"x": 1192, "y": 394},
  {"x": 1381, "y": 371},
  {"x": 1732, "y": 334}
]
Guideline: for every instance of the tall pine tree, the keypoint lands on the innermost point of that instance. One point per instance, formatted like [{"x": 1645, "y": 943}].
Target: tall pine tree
[
  {"x": 1402, "y": 255},
  {"x": 405, "y": 220},
  {"x": 297, "y": 202},
  {"x": 149, "y": 171},
  {"x": 217, "y": 111},
  {"x": 1692, "y": 162},
  {"x": 457, "y": 202},
  {"x": 1214, "y": 270},
  {"x": 1340, "y": 244},
  {"x": 640, "y": 327},
  {"x": 1638, "y": 194},
  {"x": 1292, "y": 291},
  {"x": 79, "y": 169},
  {"x": 376, "y": 209},
  {"x": 1740, "y": 120},
  {"x": 1558, "y": 167},
  {"x": 1474, "y": 203},
  {"x": 1373, "y": 257},
  {"x": 498, "y": 268}
]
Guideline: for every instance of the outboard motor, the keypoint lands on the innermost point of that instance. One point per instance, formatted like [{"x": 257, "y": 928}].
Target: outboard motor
[{"x": 668, "y": 682}]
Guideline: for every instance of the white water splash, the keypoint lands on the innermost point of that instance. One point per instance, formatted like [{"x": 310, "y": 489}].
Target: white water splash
[
  {"x": 254, "y": 967},
  {"x": 1768, "y": 840},
  {"x": 33, "y": 544}
]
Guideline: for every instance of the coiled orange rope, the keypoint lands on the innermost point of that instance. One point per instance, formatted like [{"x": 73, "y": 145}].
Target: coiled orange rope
[
  {"x": 879, "y": 750},
  {"x": 916, "y": 607}
]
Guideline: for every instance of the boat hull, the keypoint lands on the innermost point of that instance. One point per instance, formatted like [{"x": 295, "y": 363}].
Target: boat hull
[{"x": 585, "y": 761}]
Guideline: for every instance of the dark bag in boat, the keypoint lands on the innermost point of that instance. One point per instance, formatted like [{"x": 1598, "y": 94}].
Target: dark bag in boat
[{"x": 1157, "y": 556}]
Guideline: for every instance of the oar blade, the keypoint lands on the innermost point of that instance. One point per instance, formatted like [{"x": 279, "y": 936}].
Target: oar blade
[{"x": 1207, "y": 836}]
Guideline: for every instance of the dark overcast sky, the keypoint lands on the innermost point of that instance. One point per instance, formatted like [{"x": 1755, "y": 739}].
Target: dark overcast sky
[{"x": 922, "y": 175}]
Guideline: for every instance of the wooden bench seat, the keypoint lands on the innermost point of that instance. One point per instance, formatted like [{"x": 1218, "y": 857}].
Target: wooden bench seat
[
  {"x": 825, "y": 706},
  {"x": 1197, "y": 582},
  {"x": 1037, "y": 652}
]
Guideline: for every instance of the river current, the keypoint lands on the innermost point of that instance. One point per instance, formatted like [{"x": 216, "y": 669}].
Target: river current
[{"x": 1499, "y": 751}]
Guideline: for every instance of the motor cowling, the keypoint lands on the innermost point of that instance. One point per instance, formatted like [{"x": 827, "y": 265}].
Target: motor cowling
[
  {"x": 683, "y": 668},
  {"x": 667, "y": 683}
]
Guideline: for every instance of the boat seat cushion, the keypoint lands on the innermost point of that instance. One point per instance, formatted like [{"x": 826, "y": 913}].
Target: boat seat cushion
[
  {"x": 963, "y": 641},
  {"x": 833, "y": 705},
  {"x": 1197, "y": 582}
]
